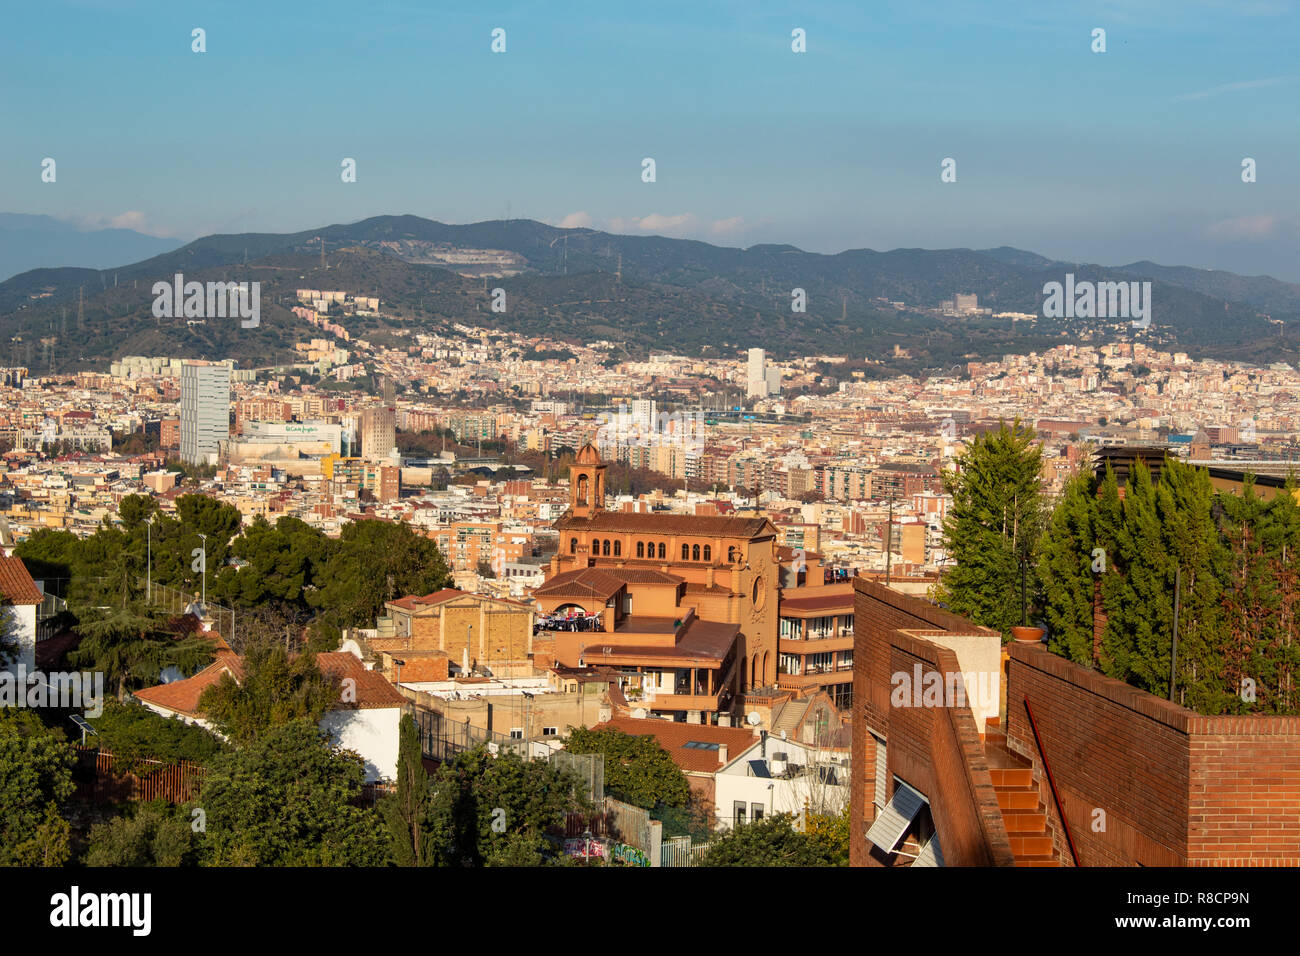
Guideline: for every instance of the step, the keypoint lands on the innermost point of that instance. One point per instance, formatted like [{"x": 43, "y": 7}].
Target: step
[
  {"x": 1031, "y": 846},
  {"x": 1011, "y": 777},
  {"x": 1017, "y": 798},
  {"x": 1037, "y": 861},
  {"x": 1024, "y": 822}
]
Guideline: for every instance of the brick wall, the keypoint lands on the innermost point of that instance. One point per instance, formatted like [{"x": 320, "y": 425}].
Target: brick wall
[
  {"x": 1144, "y": 781},
  {"x": 937, "y": 750}
]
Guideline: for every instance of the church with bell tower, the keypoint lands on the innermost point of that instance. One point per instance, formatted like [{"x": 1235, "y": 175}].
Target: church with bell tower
[{"x": 687, "y": 603}]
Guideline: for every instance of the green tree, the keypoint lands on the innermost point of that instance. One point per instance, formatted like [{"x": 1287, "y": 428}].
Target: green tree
[
  {"x": 287, "y": 799},
  {"x": 991, "y": 531},
  {"x": 637, "y": 770},
  {"x": 274, "y": 690},
  {"x": 131, "y": 642},
  {"x": 375, "y": 562},
  {"x": 35, "y": 778},
  {"x": 279, "y": 563},
  {"x": 133, "y": 734},
  {"x": 496, "y": 811},
  {"x": 155, "y": 834},
  {"x": 406, "y": 812},
  {"x": 772, "y": 841},
  {"x": 1065, "y": 570}
]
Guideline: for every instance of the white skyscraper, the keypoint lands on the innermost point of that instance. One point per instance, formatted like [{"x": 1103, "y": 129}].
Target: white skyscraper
[
  {"x": 644, "y": 414},
  {"x": 205, "y": 410},
  {"x": 755, "y": 374}
]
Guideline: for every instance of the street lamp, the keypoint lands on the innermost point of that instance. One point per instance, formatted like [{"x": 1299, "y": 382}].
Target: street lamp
[
  {"x": 204, "y": 602},
  {"x": 148, "y": 560}
]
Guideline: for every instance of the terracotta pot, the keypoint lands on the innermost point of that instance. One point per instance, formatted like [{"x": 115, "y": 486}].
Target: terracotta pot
[{"x": 1028, "y": 635}]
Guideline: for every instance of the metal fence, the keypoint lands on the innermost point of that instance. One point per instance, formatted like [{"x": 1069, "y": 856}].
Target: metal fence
[
  {"x": 99, "y": 779},
  {"x": 174, "y": 601},
  {"x": 681, "y": 851}
]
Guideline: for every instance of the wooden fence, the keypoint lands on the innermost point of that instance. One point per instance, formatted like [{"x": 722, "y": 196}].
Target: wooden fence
[{"x": 98, "y": 781}]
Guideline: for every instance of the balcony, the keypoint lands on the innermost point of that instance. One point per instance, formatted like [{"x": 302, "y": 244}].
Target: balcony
[
  {"x": 820, "y": 679},
  {"x": 681, "y": 702},
  {"x": 795, "y": 645}
]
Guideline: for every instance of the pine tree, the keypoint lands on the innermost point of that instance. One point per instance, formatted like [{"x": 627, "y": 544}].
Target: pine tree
[{"x": 992, "y": 529}]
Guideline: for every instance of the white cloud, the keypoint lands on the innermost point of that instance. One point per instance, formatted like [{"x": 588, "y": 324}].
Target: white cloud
[
  {"x": 576, "y": 220},
  {"x": 728, "y": 227},
  {"x": 1263, "y": 226},
  {"x": 131, "y": 219}
]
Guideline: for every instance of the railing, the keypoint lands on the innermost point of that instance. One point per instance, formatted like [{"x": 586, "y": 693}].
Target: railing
[
  {"x": 681, "y": 701},
  {"x": 590, "y": 622},
  {"x": 100, "y": 782},
  {"x": 1051, "y": 782}
]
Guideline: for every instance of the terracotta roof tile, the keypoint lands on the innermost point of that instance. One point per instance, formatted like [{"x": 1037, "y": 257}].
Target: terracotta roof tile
[
  {"x": 16, "y": 584},
  {"x": 372, "y": 688},
  {"x": 704, "y": 526},
  {"x": 182, "y": 696},
  {"x": 674, "y": 737}
]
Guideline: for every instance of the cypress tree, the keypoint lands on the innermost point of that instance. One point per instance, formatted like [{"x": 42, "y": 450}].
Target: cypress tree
[
  {"x": 1065, "y": 570},
  {"x": 406, "y": 812}
]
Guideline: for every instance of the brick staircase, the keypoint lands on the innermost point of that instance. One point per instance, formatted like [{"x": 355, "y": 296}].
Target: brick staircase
[{"x": 1023, "y": 809}]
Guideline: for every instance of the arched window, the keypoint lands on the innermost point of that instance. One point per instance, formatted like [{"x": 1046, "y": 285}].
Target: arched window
[
  {"x": 695, "y": 552},
  {"x": 649, "y": 549},
  {"x": 686, "y": 552},
  {"x": 605, "y": 548},
  {"x": 618, "y": 549},
  {"x": 708, "y": 553},
  {"x": 663, "y": 551},
  {"x": 573, "y": 546},
  {"x": 640, "y": 549}
]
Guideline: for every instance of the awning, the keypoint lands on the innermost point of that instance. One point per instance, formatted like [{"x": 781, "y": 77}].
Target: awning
[{"x": 890, "y": 827}]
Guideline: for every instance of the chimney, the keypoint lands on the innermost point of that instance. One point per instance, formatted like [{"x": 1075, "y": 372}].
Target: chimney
[
  {"x": 763, "y": 744},
  {"x": 722, "y": 755}
]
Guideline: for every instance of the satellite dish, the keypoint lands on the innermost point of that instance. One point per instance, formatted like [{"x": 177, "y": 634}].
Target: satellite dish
[
  {"x": 754, "y": 718},
  {"x": 783, "y": 735},
  {"x": 640, "y": 713}
]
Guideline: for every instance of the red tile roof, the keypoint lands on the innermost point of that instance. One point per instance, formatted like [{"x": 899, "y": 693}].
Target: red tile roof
[
  {"x": 674, "y": 737},
  {"x": 372, "y": 688},
  {"x": 16, "y": 584},
  {"x": 182, "y": 696},
  {"x": 704, "y": 526}
]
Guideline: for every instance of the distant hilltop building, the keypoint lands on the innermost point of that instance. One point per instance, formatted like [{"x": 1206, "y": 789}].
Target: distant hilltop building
[{"x": 963, "y": 303}]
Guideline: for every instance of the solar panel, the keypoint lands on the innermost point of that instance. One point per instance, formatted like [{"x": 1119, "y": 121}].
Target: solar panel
[{"x": 890, "y": 827}]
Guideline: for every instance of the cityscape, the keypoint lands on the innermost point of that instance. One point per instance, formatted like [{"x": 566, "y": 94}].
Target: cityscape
[{"x": 353, "y": 526}]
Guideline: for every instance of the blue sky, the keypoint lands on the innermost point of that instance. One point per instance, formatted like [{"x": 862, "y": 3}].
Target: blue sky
[{"x": 1134, "y": 153}]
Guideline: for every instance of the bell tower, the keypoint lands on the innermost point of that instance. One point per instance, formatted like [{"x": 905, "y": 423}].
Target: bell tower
[{"x": 587, "y": 483}]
